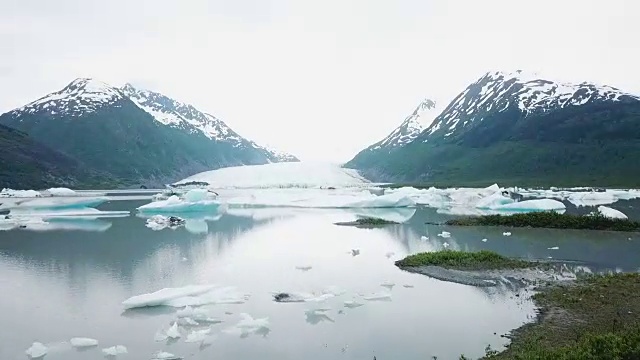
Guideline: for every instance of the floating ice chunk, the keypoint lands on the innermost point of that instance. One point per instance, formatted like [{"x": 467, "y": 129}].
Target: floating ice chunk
[
  {"x": 304, "y": 268},
  {"x": 611, "y": 213},
  {"x": 159, "y": 222},
  {"x": 494, "y": 200},
  {"x": 61, "y": 191},
  {"x": 187, "y": 321},
  {"x": 315, "y": 316},
  {"x": 506, "y": 233},
  {"x": 532, "y": 205},
  {"x": 164, "y": 296},
  {"x": 160, "y": 336},
  {"x": 248, "y": 325},
  {"x": 115, "y": 350},
  {"x": 163, "y": 355},
  {"x": 553, "y": 248},
  {"x": 484, "y": 240},
  {"x": 197, "y": 314},
  {"x": 197, "y": 335},
  {"x": 176, "y": 205},
  {"x": 592, "y": 198},
  {"x": 80, "y": 342},
  {"x": 37, "y": 349},
  {"x": 173, "y": 332},
  {"x": 6, "y": 192},
  {"x": 389, "y": 285},
  {"x": 352, "y": 304},
  {"x": 221, "y": 295},
  {"x": 381, "y": 296},
  {"x": 59, "y": 203},
  {"x": 445, "y": 234},
  {"x": 445, "y": 244},
  {"x": 424, "y": 238}
]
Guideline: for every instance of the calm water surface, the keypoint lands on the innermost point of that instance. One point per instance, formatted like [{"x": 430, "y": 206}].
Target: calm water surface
[{"x": 67, "y": 283}]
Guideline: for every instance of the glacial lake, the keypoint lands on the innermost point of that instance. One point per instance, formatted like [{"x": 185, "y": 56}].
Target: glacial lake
[{"x": 71, "y": 282}]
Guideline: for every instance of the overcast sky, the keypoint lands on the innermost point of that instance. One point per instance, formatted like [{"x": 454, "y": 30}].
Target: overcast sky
[{"x": 320, "y": 79}]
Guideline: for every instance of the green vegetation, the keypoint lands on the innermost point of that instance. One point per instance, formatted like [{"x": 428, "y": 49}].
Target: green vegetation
[
  {"x": 550, "y": 219},
  {"x": 595, "y": 318},
  {"x": 461, "y": 260},
  {"x": 366, "y": 222}
]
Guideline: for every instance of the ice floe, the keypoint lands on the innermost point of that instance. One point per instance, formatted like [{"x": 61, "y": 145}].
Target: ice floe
[
  {"x": 249, "y": 325},
  {"x": 611, "y": 213},
  {"x": 197, "y": 336},
  {"x": 81, "y": 342},
  {"x": 192, "y": 295},
  {"x": 380, "y": 296},
  {"x": 115, "y": 350},
  {"x": 7, "y": 193},
  {"x": 61, "y": 191},
  {"x": 351, "y": 304},
  {"x": 173, "y": 332},
  {"x": 36, "y": 350},
  {"x": 175, "y": 204},
  {"x": 160, "y": 222},
  {"x": 163, "y": 355}
]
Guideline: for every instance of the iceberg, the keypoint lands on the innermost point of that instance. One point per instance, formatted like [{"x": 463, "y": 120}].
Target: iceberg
[
  {"x": 193, "y": 295},
  {"x": 115, "y": 350},
  {"x": 60, "y": 203},
  {"x": 532, "y": 205},
  {"x": 163, "y": 355},
  {"x": 164, "y": 296},
  {"x": 36, "y": 350},
  {"x": 7, "y": 193},
  {"x": 248, "y": 325},
  {"x": 80, "y": 342},
  {"x": 611, "y": 213},
  {"x": 61, "y": 191},
  {"x": 176, "y": 205}
]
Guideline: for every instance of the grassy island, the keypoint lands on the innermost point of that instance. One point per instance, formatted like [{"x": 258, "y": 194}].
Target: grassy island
[
  {"x": 550, "y": 219},
  {"x": 461, "y": 260}
]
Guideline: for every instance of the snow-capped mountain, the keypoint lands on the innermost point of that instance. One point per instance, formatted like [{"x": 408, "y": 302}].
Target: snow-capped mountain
[
  {"x": 520, "y": 127},
  {"x": 80, "y": 97},
  {"x": 411, "y": 127},
  {"x": 527, "y": 93},
  {"x": 134, "y": 135}
]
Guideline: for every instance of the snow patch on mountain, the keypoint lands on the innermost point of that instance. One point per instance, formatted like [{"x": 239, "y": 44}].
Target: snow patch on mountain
[
  {"x": 177, "y": 114},
  {"x": 411, "y": 127},
  {"x": 81, "y": 96},
  {"x": 531, "y": 93}
]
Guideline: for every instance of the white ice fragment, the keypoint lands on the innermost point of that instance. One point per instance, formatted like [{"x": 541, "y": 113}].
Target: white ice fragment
[
  {"x": 114, "y": 350},
  {"x": 506, "y": 233},
  {"x": 197, "y": 335},
  {"x": 352, "y": 304},
  {"x": 176, "y": 205},
  {"x": 187, "y": 321},
  {"x": 80, "y": 342},
  {"x": 611, "y": 213},
  {"x": 159, "y": 222},
  {"x": 389, "y": 285},
  {"x": 5, "y": 193},
  {"x": 37, "y": 349},
  {"x": 61, "y": 191},
  {"x": 445, "y": 234},
  {"x": 424, "y": 238},
  {"x": 248, "y": 325},
  {"x": 445, "y": 244},
  {"x": 166, "y": 295},
  {"x": 553, "y": 248},
  {"x": 484, "y": 240},
  {"x": 381, "y": 296},
  {"x": 173, "y": 331},
  {"x": 163, "y": 355}
]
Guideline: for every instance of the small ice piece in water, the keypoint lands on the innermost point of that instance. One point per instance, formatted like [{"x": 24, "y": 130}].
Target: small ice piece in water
[
  {"x": 163, "y": 355},
  {"x": 248, "y": 325},
  {"x": 389, "y": 285},
  {"x": 160, "y": 222},
  {"x": 115, "y": 350},
  {"x": 37, "y": 350},
  {"x": 389, "y": 254},
  {"x": 382, "y": 296},
  {"x": 445, "y": 244},
  {"x": 160, "y": 336},
  {"x": 173, "y": 331},
  {"x": 424, "y": 238},
  {"x": 355, "y": 252},
  {"x": 506, "y": 233},
  {"x": 408, "y": 286},
  {"x": 197, "y": 335},
  {"x": 351, "y": 304},
  {"x": 484, "y": 240},
  {"x": 80, "y": 342},
  {"x": 61, "y": 191},
  {"x": 553, "y": 248},
  {"x": 445, "y": 234},
  {"x": 304, "y": 268},
  {"x": 187, "y": 321},
  {"x": 166, "y": 296}
]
